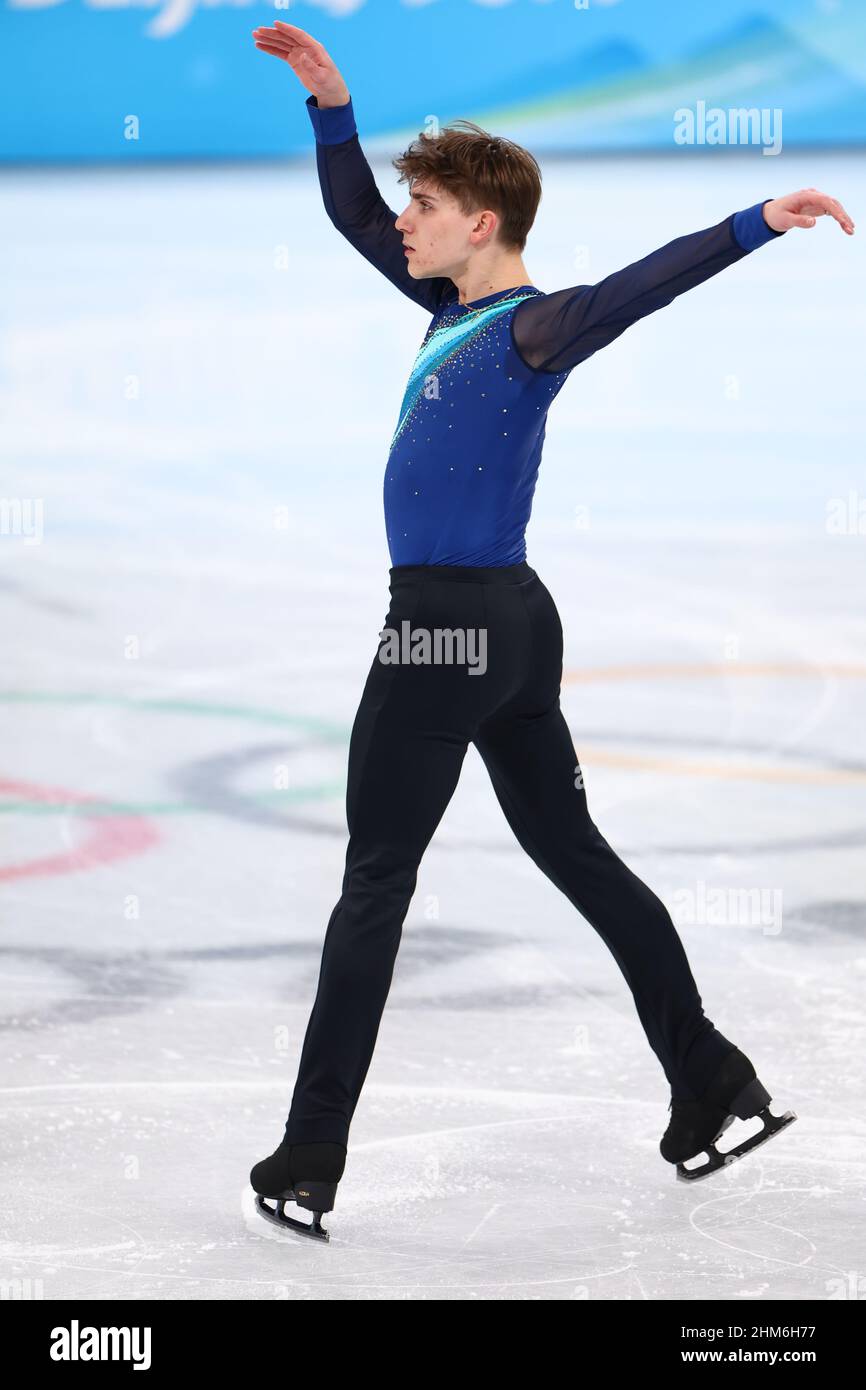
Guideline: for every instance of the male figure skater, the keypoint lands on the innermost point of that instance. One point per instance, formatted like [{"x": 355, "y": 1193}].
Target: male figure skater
[{"x": 458, "y": 492}]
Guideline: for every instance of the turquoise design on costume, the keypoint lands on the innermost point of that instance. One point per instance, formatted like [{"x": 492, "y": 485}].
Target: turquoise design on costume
[{"x": 441, "y": 344}]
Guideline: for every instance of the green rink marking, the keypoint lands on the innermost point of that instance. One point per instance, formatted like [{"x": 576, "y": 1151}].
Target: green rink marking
[
  {"x": 322, "y": 791},
  {"x": 337, "y": 732},
  {"x": 163, "y": 808}
]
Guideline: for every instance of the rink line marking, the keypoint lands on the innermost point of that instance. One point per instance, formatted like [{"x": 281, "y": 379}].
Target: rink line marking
[
  {"x": 109, "y": 806},
  {"x": 702, "y": 670},
  {"x": 735, "y": 772},
  {"x": 656, "y": 670},
  {"x": 106, "y": 808},
  {"x": 337, "y": 734},
  {"x": 111, "y": 838},
  {"x": 170, "y": 705}
]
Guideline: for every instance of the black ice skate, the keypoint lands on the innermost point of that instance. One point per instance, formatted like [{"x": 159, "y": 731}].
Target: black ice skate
[
  {"x": 695, "y": 1126},
  {"x": 303, "y": 1173}
]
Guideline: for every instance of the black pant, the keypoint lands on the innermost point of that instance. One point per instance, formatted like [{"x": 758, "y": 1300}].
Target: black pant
[{"x": 408, "y": 743}]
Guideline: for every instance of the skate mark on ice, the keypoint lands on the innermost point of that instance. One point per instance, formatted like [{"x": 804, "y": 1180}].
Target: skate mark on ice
[
  {"x": 475, "y": 1094},
  {"x": 485, "y": 1218},
  {"x": 744, "y": 1199}
]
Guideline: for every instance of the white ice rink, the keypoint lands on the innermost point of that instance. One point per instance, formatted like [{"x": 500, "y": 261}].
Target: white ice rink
[{"x": 199, "y": 380}]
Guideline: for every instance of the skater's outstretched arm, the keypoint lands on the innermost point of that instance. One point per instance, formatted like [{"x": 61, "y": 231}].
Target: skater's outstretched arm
[
  {"x": 352, "y": 200},
  {"x": 554, "y": 332}
]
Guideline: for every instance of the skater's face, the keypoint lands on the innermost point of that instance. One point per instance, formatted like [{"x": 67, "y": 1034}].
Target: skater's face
[{"x": 439, "y": 238}]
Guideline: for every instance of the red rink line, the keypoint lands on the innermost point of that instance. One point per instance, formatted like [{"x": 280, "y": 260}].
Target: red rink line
[{"x": 112, "y": 836}]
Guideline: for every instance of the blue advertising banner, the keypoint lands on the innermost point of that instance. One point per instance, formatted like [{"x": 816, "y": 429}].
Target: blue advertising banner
[{"x": 128, "y": 80}]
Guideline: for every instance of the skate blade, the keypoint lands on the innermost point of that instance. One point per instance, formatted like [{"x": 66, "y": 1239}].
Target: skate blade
[
  {"x": 277, "y": 1217},
  {"x": 773, "y": 1125}
]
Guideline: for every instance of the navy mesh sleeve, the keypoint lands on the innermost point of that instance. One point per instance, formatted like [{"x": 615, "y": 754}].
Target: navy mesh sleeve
[
  {"x": 357, "y": 208},
  {"x": 554, "y": 332}
]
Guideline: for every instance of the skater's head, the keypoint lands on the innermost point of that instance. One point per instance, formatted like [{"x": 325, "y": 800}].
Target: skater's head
[{"x": 473, "y": 198}]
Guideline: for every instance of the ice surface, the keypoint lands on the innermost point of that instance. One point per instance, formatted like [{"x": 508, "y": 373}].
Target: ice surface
[{"x": 187, "y": 637}]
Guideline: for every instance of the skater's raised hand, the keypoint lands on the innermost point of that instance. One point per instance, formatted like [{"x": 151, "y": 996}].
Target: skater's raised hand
[
  {"x": 803, "y": 209},
  {"x": 308, "y": 59}
]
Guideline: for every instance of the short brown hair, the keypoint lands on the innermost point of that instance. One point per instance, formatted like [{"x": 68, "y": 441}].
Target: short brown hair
[{"x": 479, "y": 170}]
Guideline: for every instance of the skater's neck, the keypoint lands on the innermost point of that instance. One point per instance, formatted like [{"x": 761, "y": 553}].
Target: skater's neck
[{"x": 478, "y": 281}]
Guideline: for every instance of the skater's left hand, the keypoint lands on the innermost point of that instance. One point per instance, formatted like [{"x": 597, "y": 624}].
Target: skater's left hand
[{"x": 802, "y": 210}]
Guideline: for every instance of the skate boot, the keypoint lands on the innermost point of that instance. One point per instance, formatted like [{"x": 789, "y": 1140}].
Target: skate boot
[
  {"x": 306, "y": 1174},
  {"x": 695, "y": 1125}
]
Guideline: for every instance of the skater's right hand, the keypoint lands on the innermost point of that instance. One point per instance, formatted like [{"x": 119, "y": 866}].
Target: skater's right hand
[{"x": 308, "y": 59}]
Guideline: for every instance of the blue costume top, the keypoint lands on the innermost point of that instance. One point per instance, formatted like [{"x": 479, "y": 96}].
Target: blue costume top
[{"x": 465, "y": 452}]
